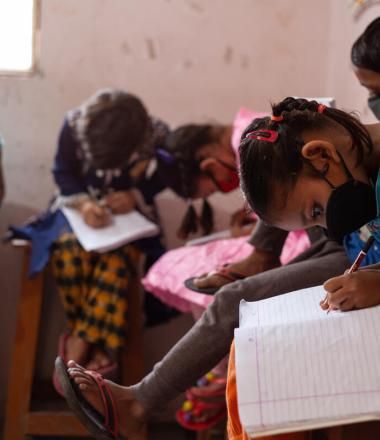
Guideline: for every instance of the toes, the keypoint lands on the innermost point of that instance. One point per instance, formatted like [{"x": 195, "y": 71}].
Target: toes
[
  {"x": 73, "y": 364},
  {"x": 82, "y": 380},
  {"x": 74, "y": 372}
]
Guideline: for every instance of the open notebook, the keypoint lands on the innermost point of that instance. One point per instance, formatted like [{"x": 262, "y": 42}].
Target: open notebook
[
  {"x": 299, "y": 368},
  {"x": 124, "y": 229}
]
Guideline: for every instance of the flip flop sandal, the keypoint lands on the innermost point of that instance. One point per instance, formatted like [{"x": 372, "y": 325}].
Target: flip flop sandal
[
  {"x": 109, "y": 371},
  {"x": 62, "y": 353},
  {"x": 192, "y": 408},
  {"x": 221, "y": 271},
  {"x": 207, "y": 393},
  {"x": 101, "y": 427}
]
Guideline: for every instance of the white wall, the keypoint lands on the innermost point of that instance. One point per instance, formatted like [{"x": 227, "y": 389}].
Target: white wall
[{"x": 189, "y": 60}]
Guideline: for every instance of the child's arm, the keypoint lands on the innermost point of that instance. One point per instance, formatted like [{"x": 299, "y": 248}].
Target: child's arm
[
  {"x": 67, "y": 165},
  {"x": 357, "y": 290}
]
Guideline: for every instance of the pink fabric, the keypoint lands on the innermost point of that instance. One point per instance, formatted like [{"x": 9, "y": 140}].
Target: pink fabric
[{"x": 165, "y": 278}]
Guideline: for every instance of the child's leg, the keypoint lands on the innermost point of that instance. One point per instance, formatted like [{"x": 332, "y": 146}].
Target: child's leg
[
  {"x": 67, "y": 264},
  {"x": 104, "y": 323},
  {"x": 209, "y": 339}
]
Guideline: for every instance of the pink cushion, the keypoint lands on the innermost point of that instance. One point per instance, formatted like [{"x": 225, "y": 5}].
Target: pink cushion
[{"x": 165, "y": 278}]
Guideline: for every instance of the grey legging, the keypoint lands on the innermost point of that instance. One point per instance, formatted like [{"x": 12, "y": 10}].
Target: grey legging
[{"x": 209, "y": 340}]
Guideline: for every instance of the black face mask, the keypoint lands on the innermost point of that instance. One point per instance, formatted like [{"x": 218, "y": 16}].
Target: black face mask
[{"x": 349, "y": 207}]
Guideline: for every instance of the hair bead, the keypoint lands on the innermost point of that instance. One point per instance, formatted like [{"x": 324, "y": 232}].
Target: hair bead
[
  {"x": 321, "y": 108},
  {"x": 277, "y": 118}
]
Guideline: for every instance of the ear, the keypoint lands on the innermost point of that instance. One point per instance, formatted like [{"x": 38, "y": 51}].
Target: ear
[
  {"x": 321, "y": 154},
  {"x": 214, "y": 167}
]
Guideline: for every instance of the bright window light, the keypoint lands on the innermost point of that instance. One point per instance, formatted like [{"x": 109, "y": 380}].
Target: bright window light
[{"x": 16, "y": 35}]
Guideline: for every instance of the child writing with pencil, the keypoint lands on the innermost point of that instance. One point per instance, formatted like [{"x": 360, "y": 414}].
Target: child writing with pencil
[
  {"x": 311, "y": 165},
  {"x": 101, "y": 168}
]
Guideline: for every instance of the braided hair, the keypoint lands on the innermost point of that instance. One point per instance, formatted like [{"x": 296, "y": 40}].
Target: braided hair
[
  {"x": 365, "y": 51},
  {"x": 179, "y": 168},
  {"x": 264, "y": 164}
]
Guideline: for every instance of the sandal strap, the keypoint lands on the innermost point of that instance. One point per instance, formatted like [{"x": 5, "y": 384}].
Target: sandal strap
[
  {"x": 198, "y": 405},
  {"x": 111, "y": 420},
  {"x": 226, "y": 272}
]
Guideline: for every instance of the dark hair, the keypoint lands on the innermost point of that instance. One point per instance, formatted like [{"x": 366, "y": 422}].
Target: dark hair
[
  {"x": 365, "y": 52},
  {"x": 178, "y": 167},
  {"x": 115, "y": 132},
  {"x": 263, "y": 163},
  {"x": 177, "y": 162}
]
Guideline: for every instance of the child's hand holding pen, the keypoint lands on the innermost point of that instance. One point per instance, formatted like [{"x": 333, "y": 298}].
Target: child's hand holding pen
[
  {"x": 355, "y": 289},
  {"x": 96, "y": 213}
]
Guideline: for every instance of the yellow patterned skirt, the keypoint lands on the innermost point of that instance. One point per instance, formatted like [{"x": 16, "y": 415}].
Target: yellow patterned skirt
[{"x": 93, "y": 288}]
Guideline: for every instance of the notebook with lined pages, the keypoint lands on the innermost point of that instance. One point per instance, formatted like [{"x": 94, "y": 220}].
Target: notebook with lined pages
[{"x": 299, "y": 368}]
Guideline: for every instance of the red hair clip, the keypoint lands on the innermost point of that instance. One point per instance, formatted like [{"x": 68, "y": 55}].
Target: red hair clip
[
  {"x": 263, "y": 135},
  {"x": 321, "y": 108},
  {"x": 277, "y": 118}
]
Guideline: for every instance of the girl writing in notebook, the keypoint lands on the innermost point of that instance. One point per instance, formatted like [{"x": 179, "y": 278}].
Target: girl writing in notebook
[
  {"x": 101, "y": 169},
  {"x": 309, "y": 165},
  {"x": 365, "y": 59}
]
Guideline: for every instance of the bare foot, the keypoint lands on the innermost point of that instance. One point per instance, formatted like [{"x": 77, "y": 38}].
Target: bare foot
[
  {"x": 99, "y": 359},
  {"x": 256, "y": 262},
  {"x": 130, "y": 412},
  {"x": 77, "y": 349}
]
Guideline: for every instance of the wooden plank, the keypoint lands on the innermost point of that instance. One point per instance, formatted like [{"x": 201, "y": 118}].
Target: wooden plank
[
  {"x": 24, "y": 351},
  {"x": 60, "y": 423},
  {"x": 133, "y": 354}
]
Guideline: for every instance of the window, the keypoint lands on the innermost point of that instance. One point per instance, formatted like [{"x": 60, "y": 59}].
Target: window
[{"x": 18, "y": 20}]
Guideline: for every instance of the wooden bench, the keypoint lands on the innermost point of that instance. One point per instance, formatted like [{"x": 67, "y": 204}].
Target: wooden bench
[{"x": 20, "y": 418}]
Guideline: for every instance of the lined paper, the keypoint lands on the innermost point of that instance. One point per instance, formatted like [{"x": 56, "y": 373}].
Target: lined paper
[
  {"x": 124, "y": 229},
  {"x": 300, "y": 368}
]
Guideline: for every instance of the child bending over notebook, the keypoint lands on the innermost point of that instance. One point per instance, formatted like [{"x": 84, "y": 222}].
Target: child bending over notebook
[
  {"x": 100, "y": 168},
  {"x": 310, "y": 165}
]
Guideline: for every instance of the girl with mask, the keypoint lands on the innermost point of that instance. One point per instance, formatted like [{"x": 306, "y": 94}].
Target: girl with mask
[
  {"x": 196, "y": 161},
  {"x": 311, "y": 165},
  {"x": 326, "y": 164},
  {"x": 365, "y": 58}
]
